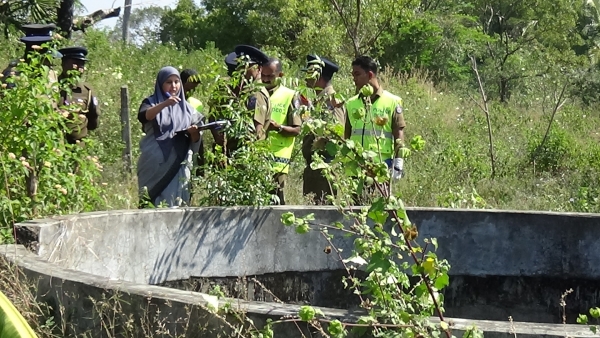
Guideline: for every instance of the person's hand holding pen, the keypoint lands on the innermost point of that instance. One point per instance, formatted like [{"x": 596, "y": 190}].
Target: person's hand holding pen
[{"x": 172, "y": 100}]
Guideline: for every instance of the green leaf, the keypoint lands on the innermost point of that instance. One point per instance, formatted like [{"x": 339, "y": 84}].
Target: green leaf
[
  {"x": 360, "y": 187},
  {"x": 317, "y": 166},
  {"x": 417, "y": 143},
  {"x": 351, "y": 168},
  {"x": 379, "y": 261},
  {"x": 473, "y": 332},
  {"x": 288, "y": 218},
  {"x": 306, "y": 313},
  {"x": 356, "y": 260},
  {"x": 377, "y": 211},
  {"x": 332, "y": 148},
  {"x": 302, "y": 228},
  {"x": 336, "y": 329},
  {"x": 582, "y": 319},
  {"x": 442, "y": 281},
  {"x": 435, "y": 243},
  {"x": 421, "y": 290},
  {"x": 595, "y": 312}
]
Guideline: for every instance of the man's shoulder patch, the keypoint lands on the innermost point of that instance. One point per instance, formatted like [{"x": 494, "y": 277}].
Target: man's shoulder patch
[
  {"x": 251, "y": 102},
  {"x": 296, "y": 102}
]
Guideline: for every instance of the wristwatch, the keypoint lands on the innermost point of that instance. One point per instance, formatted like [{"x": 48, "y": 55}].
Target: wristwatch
[{"x": 280, "y": 128}]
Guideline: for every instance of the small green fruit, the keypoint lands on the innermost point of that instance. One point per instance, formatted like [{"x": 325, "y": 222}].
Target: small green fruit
[
  {"x": 359, "y": 114},
  {"x": 367, "y": 90}
]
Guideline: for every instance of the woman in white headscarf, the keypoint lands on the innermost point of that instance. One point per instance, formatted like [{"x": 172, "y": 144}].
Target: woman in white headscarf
[{"x": 171, "y": 137}]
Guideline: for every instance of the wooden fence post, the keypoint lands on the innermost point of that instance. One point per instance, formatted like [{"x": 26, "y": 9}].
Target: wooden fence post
[{"x": 126, "y": 128}]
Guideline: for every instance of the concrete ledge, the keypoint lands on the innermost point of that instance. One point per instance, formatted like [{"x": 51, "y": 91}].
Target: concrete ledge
[
  {"x": 74, "y": 290},
  {"x": 503, "y": 262},
  {"x": 154, "y": 246}
]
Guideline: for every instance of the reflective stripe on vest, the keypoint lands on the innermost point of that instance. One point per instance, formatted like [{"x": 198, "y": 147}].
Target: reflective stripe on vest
[
  {"x": 371, "y": 132},
  {"x": 281, "y": 160},
  {"x": 281, "y": 146},
  {"x": 370, "y": 135},
  {"x": 195, "y": 103}
]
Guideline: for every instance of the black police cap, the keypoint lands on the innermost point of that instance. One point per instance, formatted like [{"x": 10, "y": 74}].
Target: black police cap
[
  {"x": 37, "y": 33},
  {"x": 231, "y": 62},
  {"x": 329, "y": 67},
  {"x": 254, "y": 54},
  {"x": 77, "y": 53}
]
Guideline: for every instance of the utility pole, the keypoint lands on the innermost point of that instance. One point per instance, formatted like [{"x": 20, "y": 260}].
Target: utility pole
[{"x": 126, "y": 16}]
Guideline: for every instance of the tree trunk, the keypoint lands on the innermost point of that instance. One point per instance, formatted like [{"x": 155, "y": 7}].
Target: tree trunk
[
  {"x": 65, "y": 17},
  {"x": 81, "y": 23},
  {"x": 504, "y": 89}
]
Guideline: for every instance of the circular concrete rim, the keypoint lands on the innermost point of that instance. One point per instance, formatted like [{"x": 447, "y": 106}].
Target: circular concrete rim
[{"x": 28, "y": 260}]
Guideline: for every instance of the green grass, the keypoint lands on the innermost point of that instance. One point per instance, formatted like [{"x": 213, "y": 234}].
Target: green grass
[{"x": 455, "y": 160}]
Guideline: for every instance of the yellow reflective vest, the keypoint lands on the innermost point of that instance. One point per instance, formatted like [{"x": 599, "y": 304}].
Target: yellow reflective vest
[
  {"x": 281, "y": 146},
  {"x": 195, "y": 103},
  {"x": 366, "y": 130}
]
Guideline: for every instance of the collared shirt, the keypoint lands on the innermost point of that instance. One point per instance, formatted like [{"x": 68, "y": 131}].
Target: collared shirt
[{"x": 327, "y": 96}]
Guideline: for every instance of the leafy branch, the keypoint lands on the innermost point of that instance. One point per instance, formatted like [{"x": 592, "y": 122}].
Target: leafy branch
[{"x": 386, "y": 293}]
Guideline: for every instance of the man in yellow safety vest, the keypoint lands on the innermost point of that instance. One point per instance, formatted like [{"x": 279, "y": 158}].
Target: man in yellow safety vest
[
  {"x": 380, "y": 128},
  {"x": 189, "y": 79},
  {"x": 285, "y": 123}
]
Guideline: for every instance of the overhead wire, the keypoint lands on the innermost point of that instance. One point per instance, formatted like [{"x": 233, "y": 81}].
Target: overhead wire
[{"x": 137, "y": 3}]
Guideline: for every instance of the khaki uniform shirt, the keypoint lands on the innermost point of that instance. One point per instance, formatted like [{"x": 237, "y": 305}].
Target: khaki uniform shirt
[
  {"x": 257, "y": 102},
  {"x": 262, "y": 110},
  {"x": 11, "y": 70},
  {"x": 86, "y": 117},
  {"x": 335, "y": 111}
]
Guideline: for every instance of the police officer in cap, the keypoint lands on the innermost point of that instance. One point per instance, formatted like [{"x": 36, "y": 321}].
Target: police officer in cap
[
  {"x": 319, "y": 72},
  {"x": 35, "y": 36},
  {"x": 249, "y": 61},
  {"x": 80, "y": 95}
]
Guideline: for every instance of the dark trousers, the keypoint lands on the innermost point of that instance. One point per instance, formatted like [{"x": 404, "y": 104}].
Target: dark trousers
[
  {"x": 280, "y": 181},
  {"x": 315, "y": 183}
]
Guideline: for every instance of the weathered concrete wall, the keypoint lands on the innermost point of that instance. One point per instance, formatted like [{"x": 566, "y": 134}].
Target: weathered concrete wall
[
  {"x": 86, "y": 298},
  {"x": 154, "y": 246},
  {"x": 503, "y": 263}
]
